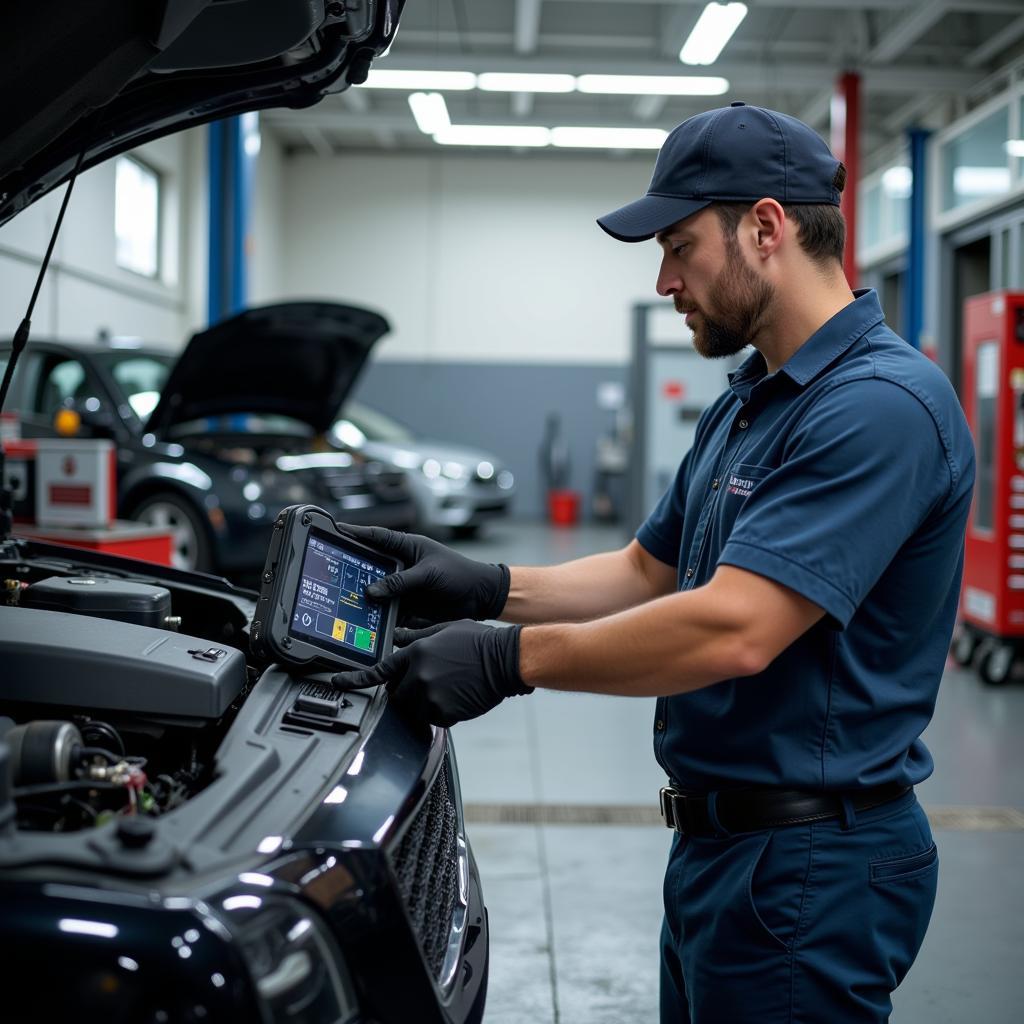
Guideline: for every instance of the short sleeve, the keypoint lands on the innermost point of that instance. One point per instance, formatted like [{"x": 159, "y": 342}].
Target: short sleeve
[
  {"x": 859, "y": 476},
  {"x": 662, "y": 532}
]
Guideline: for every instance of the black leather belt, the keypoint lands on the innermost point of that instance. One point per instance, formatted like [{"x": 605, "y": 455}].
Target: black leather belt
[{"x": 730, "y": 811}]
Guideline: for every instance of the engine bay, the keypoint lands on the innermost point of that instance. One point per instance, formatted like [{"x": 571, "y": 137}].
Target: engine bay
[
  {"x": 112, "y": 704},
  {"x": 140, "y": 735}
]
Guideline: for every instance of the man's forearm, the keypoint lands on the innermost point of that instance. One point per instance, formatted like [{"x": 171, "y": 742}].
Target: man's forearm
[
  {"x": 672, "y": 645},
  {"x": 735, "y": 625},
  {"x": 584, "y": 589}
]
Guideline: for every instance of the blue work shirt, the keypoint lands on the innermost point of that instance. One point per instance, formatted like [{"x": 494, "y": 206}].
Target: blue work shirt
[{"x": 846, "y": 476}]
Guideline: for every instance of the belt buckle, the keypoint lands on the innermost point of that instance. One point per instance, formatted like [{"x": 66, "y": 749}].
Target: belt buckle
[{"x": 667, "y": 804}]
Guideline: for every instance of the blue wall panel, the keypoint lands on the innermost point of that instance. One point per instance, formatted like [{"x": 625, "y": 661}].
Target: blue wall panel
[{"x": 501, "y": 408}]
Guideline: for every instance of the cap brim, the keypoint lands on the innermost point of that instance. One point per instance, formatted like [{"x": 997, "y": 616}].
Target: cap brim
[{"x": 643, "y": 219}]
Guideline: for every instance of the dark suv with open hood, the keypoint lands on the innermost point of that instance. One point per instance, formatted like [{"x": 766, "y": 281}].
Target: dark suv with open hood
[
  {"x": 213, "y": 444},
  {"x": 188, "y": 832}
]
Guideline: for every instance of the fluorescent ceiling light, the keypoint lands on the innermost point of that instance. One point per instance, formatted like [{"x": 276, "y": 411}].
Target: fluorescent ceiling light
[
  {"x": 430, "y": 111},
  {"x": 608, "y": 138},
  {"x": 653, "y": 85},
  {"x": 713, "y": 30},
  {"x": 1015, "y": 147},
  {"x": 452, "y": 81},
  {"x": 493, "y": 135},
  {"x": 498, "y": 81}
]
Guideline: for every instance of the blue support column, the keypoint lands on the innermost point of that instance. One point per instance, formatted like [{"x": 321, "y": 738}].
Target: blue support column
[
  {"x": 231, "y": 169},
  {"x": 913, "y": 315}
]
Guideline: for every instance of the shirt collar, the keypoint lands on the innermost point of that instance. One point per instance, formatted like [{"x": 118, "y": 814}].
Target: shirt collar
[
  {"x": 752, "y": 370},
  {"x": 835, "y": 336},
  {"x": 824, "y": 346}
]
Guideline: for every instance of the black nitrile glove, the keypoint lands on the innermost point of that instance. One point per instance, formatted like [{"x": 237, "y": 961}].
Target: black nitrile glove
[
  {"x": 437, "y": 584},
  {"x": 447, "y": 673}
]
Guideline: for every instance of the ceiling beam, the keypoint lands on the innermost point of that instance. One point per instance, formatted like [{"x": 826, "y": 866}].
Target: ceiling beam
[
  {"x": 526, "y": 35},
  {"x": 357, "y": 100},
  {"x": 499, "y": 41},
  {"x": 316, "y": 138},
  {"x": 977, "y": 6},
  {"x": 522, "y": 104},
  {"x": 996, "y": 43},
  {"x": 851, "y": 36},
  {"x": 399, "y": 124},
  {"x": 527, "y": 25},
  {"x": 899, "y": 37},
  {"x": 743, "y": 75},
  {"x": 907, "y": 114},
  {"x": 816, "y": 113},
  {"x": 395, "y": 130},
  {"x": 675, "y": 25},
  {"x": 648, "y": 108}
]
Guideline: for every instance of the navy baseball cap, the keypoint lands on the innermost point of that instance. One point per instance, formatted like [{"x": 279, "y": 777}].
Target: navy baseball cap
[{"x": 732, "y": 154}]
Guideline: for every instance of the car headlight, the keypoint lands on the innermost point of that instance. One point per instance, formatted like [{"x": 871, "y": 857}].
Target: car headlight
[
  {"x": 406, "y": 459},
  {"x": 297, "y": 969},
  {"x": 454, "y": 470}
]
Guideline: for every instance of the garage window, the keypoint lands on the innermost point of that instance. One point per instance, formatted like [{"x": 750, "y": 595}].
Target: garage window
[
  {"x": 137, "y": 216},
  {"x": 975, "y": 163}
]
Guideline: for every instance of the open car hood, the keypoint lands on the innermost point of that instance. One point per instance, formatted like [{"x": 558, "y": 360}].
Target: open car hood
[
  {"x": 103, "y": 76},
  {"x": 297, "y": 359}
]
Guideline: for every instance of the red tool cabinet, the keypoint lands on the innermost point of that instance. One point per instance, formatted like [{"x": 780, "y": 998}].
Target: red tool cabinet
[{"x": 990, "y": 632}]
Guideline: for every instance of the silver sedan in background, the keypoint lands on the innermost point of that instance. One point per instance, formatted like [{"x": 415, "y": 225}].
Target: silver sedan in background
[{"x": 455, "y": 488}]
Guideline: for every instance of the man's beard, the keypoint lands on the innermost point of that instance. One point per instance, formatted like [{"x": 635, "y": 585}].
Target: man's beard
[{"x": 741, "y": 301}]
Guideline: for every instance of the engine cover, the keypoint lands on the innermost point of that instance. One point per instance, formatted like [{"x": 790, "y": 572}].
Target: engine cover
[
  {"x": 142, "y": 603},
  {"x": 53, "y": 657}
]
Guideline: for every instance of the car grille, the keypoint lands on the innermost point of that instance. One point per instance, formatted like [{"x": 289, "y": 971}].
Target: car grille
[
  {"x": 426, "y": 867},
  {"x": 385, "y": 486},
  {"x": 389, "y": 485}
]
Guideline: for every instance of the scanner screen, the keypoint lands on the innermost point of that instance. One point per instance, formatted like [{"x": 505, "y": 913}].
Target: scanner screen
[{"x": 331, "y": 607}]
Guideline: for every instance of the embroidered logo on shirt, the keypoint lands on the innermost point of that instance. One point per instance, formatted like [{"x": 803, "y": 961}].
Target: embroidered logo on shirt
[{"x": 742, "y": 486}]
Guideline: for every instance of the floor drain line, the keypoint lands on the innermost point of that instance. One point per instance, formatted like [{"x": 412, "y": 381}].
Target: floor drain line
[{"x": 958, "y": 819}]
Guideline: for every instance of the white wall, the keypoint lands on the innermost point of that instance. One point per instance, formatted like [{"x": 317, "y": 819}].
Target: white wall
[
  {"x": 265, "y": 258},
  {"x": 471, "y": 258},
  {"x": 84, "y": 290}
]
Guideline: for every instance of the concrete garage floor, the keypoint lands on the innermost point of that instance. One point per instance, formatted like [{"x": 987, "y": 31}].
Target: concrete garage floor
[{"x": 575, "y": 908}]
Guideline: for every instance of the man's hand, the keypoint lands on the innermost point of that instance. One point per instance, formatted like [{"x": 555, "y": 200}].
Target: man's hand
[
  {"x": 437, "y": 584},
  {"x": 447, "y": 673}
]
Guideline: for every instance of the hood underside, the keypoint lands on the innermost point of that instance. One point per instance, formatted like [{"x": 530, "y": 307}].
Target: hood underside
[
  {"x": 295, "y": 359},
  {"x": 89, "y": 80}
]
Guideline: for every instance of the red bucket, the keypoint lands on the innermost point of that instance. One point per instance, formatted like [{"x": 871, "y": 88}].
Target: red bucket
[{"x": 564, "y": 507}]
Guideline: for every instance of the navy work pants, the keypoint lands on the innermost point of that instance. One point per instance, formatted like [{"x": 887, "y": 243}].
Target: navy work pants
[{"x": 797, "y": 925}]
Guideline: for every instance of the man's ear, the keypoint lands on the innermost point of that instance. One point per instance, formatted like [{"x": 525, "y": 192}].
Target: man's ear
[{"x": 768, "y": 225}]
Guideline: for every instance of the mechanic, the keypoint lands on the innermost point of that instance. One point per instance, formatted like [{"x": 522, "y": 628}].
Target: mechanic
[{"x": 789, "y": 601}]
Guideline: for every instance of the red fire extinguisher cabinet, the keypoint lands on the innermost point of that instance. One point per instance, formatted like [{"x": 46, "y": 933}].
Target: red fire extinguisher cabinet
[{"x": 991, "y": 621}]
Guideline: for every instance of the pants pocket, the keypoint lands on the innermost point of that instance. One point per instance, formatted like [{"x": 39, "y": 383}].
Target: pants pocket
[
  {"x": 776, "y": 882},
  {"x": 904, "y": 868},
  {"x": 903, "y": 888}
]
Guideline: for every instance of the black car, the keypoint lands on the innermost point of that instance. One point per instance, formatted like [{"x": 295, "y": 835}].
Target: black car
[
  {"x": 173, "y": 846},
  {"x": 176, "y": 848},
  {"x": 213, "y": 444}
]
